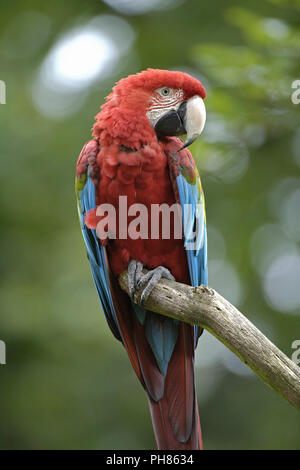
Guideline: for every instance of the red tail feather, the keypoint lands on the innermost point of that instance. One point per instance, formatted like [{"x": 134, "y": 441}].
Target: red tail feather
[
  {"x": 175, "y": 417},
  {"x": 172, "y": 399}
]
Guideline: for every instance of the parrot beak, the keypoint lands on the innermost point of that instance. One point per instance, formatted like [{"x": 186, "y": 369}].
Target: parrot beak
[
  {"x": 188, "y": 119},
  {"x": 194, "y": 119}
]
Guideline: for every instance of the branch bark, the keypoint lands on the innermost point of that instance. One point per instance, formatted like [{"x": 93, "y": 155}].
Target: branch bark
[{"x": 204, "y": 307}]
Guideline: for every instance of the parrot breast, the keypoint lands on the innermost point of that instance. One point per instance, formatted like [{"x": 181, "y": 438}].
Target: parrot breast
[{"x": 143, "y": 178}]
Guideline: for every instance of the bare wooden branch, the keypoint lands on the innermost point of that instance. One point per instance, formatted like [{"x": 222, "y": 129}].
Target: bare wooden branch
[{"x": 204, "y": 307}]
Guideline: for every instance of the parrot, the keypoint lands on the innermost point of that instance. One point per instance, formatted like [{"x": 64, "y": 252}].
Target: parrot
[{"x": 136, "y": 153}]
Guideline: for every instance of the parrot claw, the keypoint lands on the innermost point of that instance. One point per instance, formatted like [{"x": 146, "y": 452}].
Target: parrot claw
[
  {"x": 134, "y": 274},
  {"x": 151, "y": 279},
  {"x": 136, "y": 279}
]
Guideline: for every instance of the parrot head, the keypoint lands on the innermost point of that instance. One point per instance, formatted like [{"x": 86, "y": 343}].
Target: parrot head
[{"x": 170, "y": 102}]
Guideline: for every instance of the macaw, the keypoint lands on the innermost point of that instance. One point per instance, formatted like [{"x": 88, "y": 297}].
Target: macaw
[{"x": 135, "y": 153}]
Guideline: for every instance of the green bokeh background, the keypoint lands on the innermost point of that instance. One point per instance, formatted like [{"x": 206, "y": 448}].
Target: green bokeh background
[{"x": 68, "y": 383}]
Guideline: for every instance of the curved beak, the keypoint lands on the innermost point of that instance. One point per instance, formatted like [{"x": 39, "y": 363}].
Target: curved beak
[
  {"x": 188, "y": 119},
  {"x": 194, "y": 120}
]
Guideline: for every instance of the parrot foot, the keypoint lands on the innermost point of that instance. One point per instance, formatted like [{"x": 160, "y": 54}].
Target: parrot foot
[
  {"x": 134, "y": 274},
  {"x": 136, "y": 279}
]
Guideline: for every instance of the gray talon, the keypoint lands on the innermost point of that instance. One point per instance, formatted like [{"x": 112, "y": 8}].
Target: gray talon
[
  {"x": 134, "y": 274},
  {"x": 136, "y": 279},
  {"x": 151, "y": 279},
  {"x": 138, "y": 272}
]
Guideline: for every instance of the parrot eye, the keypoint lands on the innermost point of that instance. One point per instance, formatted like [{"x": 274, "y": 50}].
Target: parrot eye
[{"x": 164, "y": 91}]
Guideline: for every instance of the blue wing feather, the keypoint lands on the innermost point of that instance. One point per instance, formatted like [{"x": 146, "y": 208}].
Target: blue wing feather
[
  {"x": 195, "y": 239},
  {"x": 191, "y": 199},
  {"x": 96, "y": 255}
]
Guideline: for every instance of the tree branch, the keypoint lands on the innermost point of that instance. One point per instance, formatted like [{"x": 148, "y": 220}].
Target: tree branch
[{"x": 204, "y": 307}]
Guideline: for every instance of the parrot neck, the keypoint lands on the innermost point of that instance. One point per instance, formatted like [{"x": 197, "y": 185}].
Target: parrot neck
[{"x": 124, "y": 126}]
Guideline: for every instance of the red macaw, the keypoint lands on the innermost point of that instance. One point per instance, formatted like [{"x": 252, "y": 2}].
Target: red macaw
[{"x": 134, "y": 153}]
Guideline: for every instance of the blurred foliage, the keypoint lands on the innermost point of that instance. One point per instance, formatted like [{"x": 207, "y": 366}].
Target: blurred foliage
[{"x": 67, "y": 382}]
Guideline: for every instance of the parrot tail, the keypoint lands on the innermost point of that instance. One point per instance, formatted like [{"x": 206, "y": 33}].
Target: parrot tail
[
  {"x": 175, "y": 416},
  {"x": 171, "y": 395}
]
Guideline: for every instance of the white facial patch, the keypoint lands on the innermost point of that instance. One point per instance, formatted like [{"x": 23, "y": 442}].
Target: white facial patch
[{"x": 161, "y": 102}]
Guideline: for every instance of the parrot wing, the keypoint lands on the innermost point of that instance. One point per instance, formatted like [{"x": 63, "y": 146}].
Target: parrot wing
[
  {"x": 87, "y": 176},
  {"x": 189, "y": 193},
  {"x": 115, "y": 303}
]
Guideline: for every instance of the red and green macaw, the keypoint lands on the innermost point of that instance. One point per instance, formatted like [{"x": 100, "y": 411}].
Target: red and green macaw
[{"x": 134, "y": 153}]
